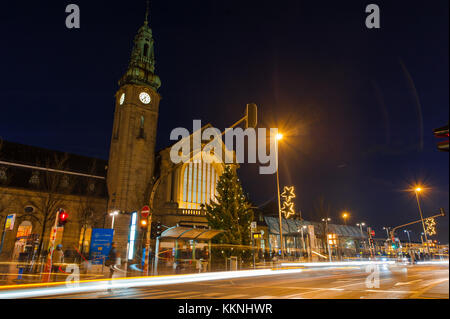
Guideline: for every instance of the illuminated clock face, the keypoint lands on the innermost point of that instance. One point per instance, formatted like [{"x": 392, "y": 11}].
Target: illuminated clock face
[
  {"x": 122, "y": 98},
  {"x": 144, "y": 97}
]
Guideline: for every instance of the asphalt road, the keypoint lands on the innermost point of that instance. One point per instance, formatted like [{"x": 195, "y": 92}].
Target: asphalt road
[{"x": 395, "y": 281}]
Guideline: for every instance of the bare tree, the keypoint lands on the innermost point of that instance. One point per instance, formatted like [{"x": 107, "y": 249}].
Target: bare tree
[
  {"x": 51, "y": 187},
  {"x": 322, "y": 210},
  {"x": 87, "y": 206}
]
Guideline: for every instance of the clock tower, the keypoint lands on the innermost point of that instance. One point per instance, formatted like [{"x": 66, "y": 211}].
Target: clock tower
[{"x": 132, "y": 150}]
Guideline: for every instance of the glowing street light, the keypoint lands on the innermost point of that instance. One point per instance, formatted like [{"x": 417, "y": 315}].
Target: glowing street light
[
  {"x": 345, "y": 215},
  {"x": 417, "y": 190},
  {"x": 278, "y": 137},
  {"x": 113, "y": 215}
]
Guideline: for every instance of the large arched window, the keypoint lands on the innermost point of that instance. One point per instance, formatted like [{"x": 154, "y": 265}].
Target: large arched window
[{"x": 199, "y": 182}]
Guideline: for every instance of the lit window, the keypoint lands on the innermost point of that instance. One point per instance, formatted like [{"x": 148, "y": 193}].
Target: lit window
[{"x": 198, "y": 183}]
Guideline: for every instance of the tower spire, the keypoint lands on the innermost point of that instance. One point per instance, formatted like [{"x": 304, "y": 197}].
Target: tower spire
[
  {"x": 146, "y": 13},
  {"x": 141, "y": 69}
]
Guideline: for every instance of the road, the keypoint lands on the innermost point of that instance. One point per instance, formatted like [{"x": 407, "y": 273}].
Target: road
[{"x": 395, "y": 281}]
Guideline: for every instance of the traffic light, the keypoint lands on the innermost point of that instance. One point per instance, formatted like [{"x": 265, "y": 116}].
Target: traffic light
[
  {"x": 442, "y": 132},
  {"x": 62, "y": 218},
  {"x": 143, "y": 223},
  {"x": 156, "y": 230}
]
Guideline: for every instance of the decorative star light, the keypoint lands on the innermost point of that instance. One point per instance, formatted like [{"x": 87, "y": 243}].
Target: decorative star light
[
  {"x": 288, "y": 193},
  {"x": 288, "y": 209},
  {"x": 288, "y": 206},
  {"x": 430, "y": 224}
]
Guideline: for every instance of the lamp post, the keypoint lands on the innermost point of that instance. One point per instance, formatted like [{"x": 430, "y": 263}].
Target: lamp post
[
  {"x": 326, "y": 220},
  {"x": 362, "y": 236},
  {"x": 303, "y": 238},
  {"x": 113, "y": 215},
  {"x": 387, "y": 231},
  {"x": 409, "y": 238},
  {"x": 278, "y": 137},
  {"x": 417, "y": 190},
  {"x": 345, "y": 215}
]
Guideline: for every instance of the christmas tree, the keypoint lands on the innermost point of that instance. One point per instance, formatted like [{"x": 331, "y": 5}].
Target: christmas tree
[{"x": 232, "y": 213}]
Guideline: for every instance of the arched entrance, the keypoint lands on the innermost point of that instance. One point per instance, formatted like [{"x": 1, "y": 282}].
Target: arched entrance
[{"x": 23, "y": 231}]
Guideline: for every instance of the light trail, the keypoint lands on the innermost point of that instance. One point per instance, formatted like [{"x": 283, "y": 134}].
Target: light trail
[
  {"x": 433, "y": 262},
  {"x": 98, "y": 285},
  {"x": 338, "y": 264}
]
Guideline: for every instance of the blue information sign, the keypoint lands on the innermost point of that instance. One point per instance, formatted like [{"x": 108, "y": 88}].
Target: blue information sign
[{"x": 101, "y": 240}]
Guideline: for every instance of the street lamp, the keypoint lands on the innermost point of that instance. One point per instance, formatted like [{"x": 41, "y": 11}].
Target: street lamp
[
  {"x": 409, "y": 238},
  {"x": 345, "y": 215},
  {"x": 326, "y": 220},
  {"x": 113, "y": 215},
  {"x": 300, "y": 229},
  {"x": 417, "y": 190},
  {"x": 278, "y": 137},
  {"x": 362, "y": 236},
  {"x": 387, "y": 231}
]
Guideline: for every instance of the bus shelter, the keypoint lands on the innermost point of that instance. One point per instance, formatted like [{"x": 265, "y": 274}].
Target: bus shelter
[{"x": 185, "y": 243}]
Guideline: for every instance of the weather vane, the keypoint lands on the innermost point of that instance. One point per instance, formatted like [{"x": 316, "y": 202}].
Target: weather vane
[{"x": 288, "y": 206}]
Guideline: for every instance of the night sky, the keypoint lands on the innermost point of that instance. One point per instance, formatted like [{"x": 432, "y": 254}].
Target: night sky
[{"x": 357, "y": 105}]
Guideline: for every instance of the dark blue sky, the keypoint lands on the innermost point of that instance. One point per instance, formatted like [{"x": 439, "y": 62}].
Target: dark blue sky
[{"x": 358, "y": 105}]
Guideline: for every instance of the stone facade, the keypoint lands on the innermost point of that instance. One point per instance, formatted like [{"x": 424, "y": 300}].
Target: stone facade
[{"x": 37, "y": 182}]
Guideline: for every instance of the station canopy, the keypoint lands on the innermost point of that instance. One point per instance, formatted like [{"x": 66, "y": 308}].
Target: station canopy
[
  {"x": 291, "y": 227},
  {"x": 189, "y": 233}
]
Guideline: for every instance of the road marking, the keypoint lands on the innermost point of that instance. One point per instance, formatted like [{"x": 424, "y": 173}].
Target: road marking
[
  {"x": 134, "y": 295},
  {"x": 232, "y": 296},
  {"x": 166, "y": 295},
  {"x": 407, "y": 283},
  {"x": 212, "y": 294},
  {"x": 186, "y": 295},
  {"x": 295, "y": 296},
  {"x": 392, "y": 291},
  {"x": 432, "y": 285}
]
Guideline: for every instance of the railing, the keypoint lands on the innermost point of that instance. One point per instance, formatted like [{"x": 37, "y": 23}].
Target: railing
[
  {"x": 181, "y": 211},
  {"x": 196, "y": 212}
]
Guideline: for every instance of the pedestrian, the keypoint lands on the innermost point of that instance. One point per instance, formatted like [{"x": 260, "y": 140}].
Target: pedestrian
[
  {"x": 198, "y": 264},
  {"x": 57, "y": 259},
  {"x": 112, "y": 259}
]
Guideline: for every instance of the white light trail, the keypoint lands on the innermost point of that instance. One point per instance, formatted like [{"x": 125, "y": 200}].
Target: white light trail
[
  {"x": 338, "y": 264},
  {"x": 140, "y": 282},
  {"x": 433, "y": 262}
]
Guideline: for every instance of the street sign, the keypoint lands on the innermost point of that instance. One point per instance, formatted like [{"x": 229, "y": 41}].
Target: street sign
[
  {"x": 253, "y": 226},
  {"x": 145, "y": 211},
  {"x": 9, "y": 225},
  {"x": 101, "y": 239}
]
